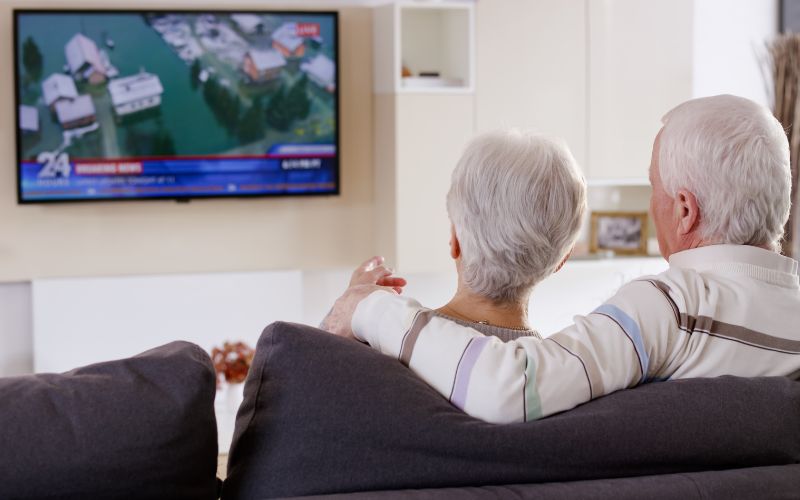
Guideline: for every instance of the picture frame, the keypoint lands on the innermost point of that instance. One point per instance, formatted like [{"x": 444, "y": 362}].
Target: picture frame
[{"x": 623, "y": 233}]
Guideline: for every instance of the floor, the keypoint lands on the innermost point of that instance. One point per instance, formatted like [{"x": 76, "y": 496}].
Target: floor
[{"x": 222, "y": 466}]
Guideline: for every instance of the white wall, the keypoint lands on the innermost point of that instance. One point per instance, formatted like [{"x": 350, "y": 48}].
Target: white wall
[{"x": 730, "y": 39}]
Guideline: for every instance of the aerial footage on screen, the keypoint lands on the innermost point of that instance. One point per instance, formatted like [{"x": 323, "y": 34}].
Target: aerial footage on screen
[{"x": 175, "y": 105}]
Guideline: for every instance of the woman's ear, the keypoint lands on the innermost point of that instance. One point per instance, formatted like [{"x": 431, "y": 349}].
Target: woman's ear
[
  {"x": 455, "y": 246},
  {"x": 561, "y": 264}
]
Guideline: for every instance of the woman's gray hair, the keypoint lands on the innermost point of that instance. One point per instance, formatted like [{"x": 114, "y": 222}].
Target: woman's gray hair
[
  {"x": 516, "y": 201},
  {"x": 733, "y": 155}
]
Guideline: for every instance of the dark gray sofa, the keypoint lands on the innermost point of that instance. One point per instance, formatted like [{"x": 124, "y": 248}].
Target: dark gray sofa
[
  {"x": 332, "y": 418},
  {"x": 325, "y": 416}
]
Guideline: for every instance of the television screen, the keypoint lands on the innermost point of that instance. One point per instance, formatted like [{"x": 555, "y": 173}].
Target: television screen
[{"x": 154, "y": 104}]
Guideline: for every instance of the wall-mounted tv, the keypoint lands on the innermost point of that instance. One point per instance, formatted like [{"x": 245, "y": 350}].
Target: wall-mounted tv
[{"x": 115, "y": 105}]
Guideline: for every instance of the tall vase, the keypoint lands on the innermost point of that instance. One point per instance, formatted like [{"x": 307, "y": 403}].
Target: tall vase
[{"x": 785, "y": 59}]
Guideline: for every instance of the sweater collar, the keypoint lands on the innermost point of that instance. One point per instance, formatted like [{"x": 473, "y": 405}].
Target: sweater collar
[{"x": 755, "y": 262}]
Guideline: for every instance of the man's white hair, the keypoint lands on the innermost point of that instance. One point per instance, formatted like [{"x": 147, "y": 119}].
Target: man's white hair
[
  {"x": 516, "y": 201},
  {"x": 733, "y": 155}
]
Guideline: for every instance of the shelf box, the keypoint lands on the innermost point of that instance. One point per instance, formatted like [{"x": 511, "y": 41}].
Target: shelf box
[
  {"x": 424, "y": 38},
  {"x": 427, "y": 82}
]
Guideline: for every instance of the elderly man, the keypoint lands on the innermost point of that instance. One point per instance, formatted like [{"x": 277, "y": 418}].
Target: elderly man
[{"x": 729, "y": 303}]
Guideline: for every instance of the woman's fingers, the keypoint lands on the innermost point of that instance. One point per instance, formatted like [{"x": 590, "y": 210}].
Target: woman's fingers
[
  {"x": 373, "y": 272},
  {"x": 361, "y": 274},
  {"x": 391, "y": 281},
  {"x": 370, "y": 264},
  {"x": 369, "y": 273},
  {"x": 395, "y": 282},
  {"x": 376, "y": 274}
]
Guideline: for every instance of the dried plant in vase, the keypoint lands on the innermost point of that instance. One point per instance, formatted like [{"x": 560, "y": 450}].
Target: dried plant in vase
[
  {"x": 232, "y": 361},
  {"x": 784, "y": 55}
]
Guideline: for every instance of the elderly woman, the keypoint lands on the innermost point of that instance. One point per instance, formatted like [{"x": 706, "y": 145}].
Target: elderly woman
[{"x": 516, "y": 202}]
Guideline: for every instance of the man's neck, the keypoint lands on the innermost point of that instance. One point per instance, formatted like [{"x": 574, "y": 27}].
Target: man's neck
[{"x": 468, "y": 306}]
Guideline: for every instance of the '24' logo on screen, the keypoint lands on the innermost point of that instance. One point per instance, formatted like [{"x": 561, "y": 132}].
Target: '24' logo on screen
[{"x": 53, "y": 165}]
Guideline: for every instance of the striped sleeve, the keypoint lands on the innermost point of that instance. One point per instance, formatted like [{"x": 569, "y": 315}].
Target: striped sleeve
[{"x": 515, "y": 381}]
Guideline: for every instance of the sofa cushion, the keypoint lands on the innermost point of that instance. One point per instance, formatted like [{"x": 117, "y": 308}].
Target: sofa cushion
[
  {"x": 327, "y": 415},
  {"x": 773, "y": 482},
  {"x": 141, "y": 427}
]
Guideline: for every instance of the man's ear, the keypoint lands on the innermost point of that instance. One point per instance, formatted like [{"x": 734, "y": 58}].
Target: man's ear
[
  {"x": 687, "y": 212},
  {"x": 455, "y": 246}
]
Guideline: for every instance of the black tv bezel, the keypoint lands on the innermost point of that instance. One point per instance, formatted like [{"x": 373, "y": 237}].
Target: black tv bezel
[{"x": 176, "y": 198}]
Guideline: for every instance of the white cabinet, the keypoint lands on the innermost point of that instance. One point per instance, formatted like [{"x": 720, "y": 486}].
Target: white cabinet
[
  {"x": 531, "y": 68},
  {"x": 645, "y": 57},
  {"x": 602, "y": 73},
  {"x": 640, "y": 61}
]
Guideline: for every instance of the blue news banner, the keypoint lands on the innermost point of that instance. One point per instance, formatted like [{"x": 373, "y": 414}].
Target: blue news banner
[{"x": 286, "y": 169}]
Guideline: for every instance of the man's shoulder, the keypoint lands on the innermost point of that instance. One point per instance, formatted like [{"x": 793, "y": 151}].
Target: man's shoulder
[
  {"x": 672, "y": 276},
  {"x": 651, "y": 285},
  {"x": 676, "y": 284},
  {"x": 656, "y": 296}
]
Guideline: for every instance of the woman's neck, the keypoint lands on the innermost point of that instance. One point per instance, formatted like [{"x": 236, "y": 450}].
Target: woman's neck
[{"x": 468, "y": 306}]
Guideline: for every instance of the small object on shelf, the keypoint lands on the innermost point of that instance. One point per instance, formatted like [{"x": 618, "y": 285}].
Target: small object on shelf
[
  {"x": 429, "y": 74},
  {"x": 405, "y": 72},
  {"x": 431, "y": 82},
  {"x": 232, "y": 361},
  {"x": 623, "y": 233}
]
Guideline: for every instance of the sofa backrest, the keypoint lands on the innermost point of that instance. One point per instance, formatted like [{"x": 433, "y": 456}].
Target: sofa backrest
[
  {"x": 326, "y": 415},
  {"x": 141, "y": 427}
]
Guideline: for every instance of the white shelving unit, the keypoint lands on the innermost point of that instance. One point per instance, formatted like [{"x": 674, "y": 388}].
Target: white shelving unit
[
  {"x": 433, "y": 40},
  {"x": 421, "y": 124}
]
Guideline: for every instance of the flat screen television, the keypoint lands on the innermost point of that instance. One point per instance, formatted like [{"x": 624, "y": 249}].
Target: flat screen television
[{"x": 115, "y": 105}]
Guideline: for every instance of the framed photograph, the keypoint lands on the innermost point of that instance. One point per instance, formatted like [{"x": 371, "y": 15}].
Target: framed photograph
[{"x": 620, "y": 232}]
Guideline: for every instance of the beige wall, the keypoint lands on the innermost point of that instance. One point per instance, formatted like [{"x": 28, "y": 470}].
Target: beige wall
[{"x": 143, "y": 237}]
